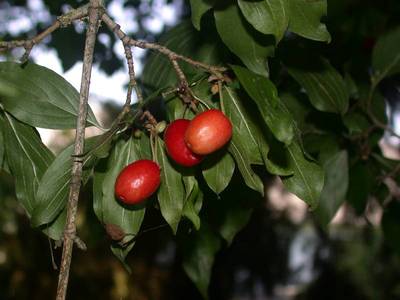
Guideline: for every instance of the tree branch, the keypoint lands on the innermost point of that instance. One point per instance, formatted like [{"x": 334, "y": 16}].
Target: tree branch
[
  {"x": 76, "y": 173},
  {"x": 113, "y": 26},
  {"x": 62, "y": 21}
]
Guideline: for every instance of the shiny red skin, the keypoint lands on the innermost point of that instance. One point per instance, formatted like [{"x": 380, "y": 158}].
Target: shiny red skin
[
  {"x": 208, "y": 132},
  {"x": 137, "y": 181},
  {"x": 177, "y": 149}
]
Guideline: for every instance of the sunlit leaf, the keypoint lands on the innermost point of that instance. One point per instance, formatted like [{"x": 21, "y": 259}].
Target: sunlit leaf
[
  {"x": 42, "y": 98},
  {"x": 267, "y": 16}
]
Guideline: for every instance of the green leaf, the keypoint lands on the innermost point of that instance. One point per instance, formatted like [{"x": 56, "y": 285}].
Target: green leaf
[
  {"x": 298, "y": 108},
  {"x": 242, "y": 121},
  {"x": 43, "y": 98},
  {"x": 199, "y": 250},
  {"x": 28, "y": 159},
  {"x": 356, "y": 122},
  {"x": 218, "y": 170},
  {"x": 237, "y": 149},
  {"x": 352, "y": 88},
  {"x": 175, "y": 109},
  {"x": 308, "y": 178},
  {"x": 335, "y": 187},
  {"x": 267, "y": 16},
  {"x": 106, "y": 206},
  {"x": 55, "y": 229},
  {"x": 251, "y": 46},
  {"x": 121, "y": 252},
  {"x": 185, "y": 40},
  {"x": 2, "y": 144},
  {"x": 199, "y": 8},
  {"x": 193, "y": 200},
  {"x": 171, "y": 194},
  {"x": 324, "y": 85},
  {"x": 386, "y": 54},
  {"x": 275, "y": 157},
  {"x": 361, "y": 181},
  {"x": 305, "y": 19},
  {"x": 52, "y": 193},
  {"x": 264, "y": 93},
  {"x": 234, "y": 209}
]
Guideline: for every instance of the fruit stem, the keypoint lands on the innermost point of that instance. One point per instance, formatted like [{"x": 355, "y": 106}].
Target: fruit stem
[{"x": 221, "y": 97}]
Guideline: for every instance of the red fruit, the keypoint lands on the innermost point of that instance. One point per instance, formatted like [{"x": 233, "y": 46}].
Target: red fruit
[
  {"x": 174, "y": 138},
  {"x": 208, "y": 132},
  {"x": 137, "y": 181}
]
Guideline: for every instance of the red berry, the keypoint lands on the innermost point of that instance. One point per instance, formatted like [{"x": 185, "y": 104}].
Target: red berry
[
  {"x": 176, "y": 146},
  {"x": 137, "y": 181},
  {"x": 208, "y": 132}
]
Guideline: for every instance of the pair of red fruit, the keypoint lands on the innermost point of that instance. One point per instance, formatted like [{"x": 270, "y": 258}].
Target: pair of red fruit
[{"x": 186, "y": 142}]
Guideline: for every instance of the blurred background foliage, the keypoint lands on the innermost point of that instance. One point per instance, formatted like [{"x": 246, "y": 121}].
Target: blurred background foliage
[{"x": 275, "y": 256}]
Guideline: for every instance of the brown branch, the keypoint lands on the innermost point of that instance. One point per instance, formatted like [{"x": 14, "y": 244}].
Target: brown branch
[
  {"x": 76, "y": 173},
  {"x": 162, "y": 49},
  {"x": 62, "y": 21}
]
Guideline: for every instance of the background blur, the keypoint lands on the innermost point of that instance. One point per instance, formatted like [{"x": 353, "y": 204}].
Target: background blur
[{"x": 281, "y": 254}]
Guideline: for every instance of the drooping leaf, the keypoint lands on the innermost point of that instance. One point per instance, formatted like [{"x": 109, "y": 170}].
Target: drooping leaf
[
  {"x": 107, "y": 208},
  {"x": 386, "y": 54},
  {"x": 308, "y": 178},
  {"x": 198, "y": 9},
  {"x": 234, "y": 209},
  {"x": 218, "y": 170},
  {"x": 273, "y": 111},
  {"x": 28, "y": 159},
  {"x": 267, "y": 16},
  {"x": 244, "y": 127},
  {"x": 199, "y": 250},
  {"x": 324, "y": 85},
  {"x": 193, "y": 201},
  {"x": 251, "y": 46},
  {"x": 335, "y": 187},
  {"x": 43, "y": 98},
  {"x": 237, "y": 149},
  {"x": 55, "y": 229},
  {"x": 275, "y": 157},
  {"x": 171, "y": 194},
  {"x": 53, "y": 190},
  {"x": 298, "y": 108},
  {"x": 305, "y": 19},
  {"x": 121, "y": 252}
]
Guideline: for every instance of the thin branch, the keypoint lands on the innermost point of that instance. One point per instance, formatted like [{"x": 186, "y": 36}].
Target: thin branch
[
  {"x": 76, "y": 173},
  {"x": 162, "y": 49},
  {"x": 62, "y": 21}
]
